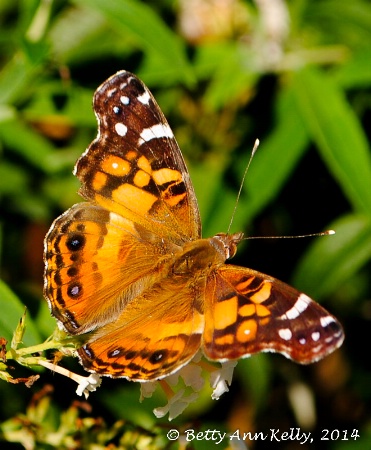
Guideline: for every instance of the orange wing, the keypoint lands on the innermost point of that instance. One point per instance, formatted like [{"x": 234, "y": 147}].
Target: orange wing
[
  {"x": 154, "y": 336},
  {"x": 247, "y": 312},
  {"x": 95, "y": 263}
]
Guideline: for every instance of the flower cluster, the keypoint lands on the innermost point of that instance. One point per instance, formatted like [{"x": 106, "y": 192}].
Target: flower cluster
[{"x": 191, "y": 376}]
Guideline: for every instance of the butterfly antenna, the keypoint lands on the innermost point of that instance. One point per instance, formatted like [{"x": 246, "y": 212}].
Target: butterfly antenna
[
  {"x": 256, "y": 145},
  {"x": 321, "y": 233}
]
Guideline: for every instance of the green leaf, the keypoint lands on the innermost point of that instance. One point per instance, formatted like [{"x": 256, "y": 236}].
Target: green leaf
[
  {"x": 13, "y": 179},
  {"x": 330, "y": 261},
  {"x": 348, "y": 23},
  {"x": 256, "y": 376},
  {"x": 138, "y": 413},
  {"x": 16, "y": 77},
  {"x": 356, "y": 73},
  {"x": 83, "y": 40},
  {"x": 19, "y": 74},
  {"x": 230, "y": 79},
  {"x": 150, "y": 32},
  {"x": 27, "y": 143},
  {"x": 12, "y": 310},
  {"x": 45, "y": 323},
  {"x": 338, "y": 134},
  {"x": 275, "y": 159}
]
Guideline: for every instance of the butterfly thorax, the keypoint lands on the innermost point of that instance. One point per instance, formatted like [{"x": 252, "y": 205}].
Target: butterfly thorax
[{"x": 206, "y": 254}]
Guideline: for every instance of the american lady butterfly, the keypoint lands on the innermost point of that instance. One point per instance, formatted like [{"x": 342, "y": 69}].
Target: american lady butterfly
[{"x": 129, "y": 271}]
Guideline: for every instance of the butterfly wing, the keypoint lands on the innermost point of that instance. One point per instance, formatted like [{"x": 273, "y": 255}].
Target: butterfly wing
[
  {"x": 247, "y": 312},
  {"x": 153, "y": 336},
  {"x": 95, "y": 262},
  {"x": 102, "y": 254},
  {"x": 135, "y": 167},
  {"x": 118, "y": 269}
]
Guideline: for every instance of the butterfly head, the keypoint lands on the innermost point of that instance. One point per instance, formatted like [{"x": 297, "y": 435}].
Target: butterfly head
[{"x": 227, "y": 243}]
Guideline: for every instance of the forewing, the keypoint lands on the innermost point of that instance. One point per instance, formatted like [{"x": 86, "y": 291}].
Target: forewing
[
  {"x": 248, "y": 312},
  {"x": 135, "y": 167}
]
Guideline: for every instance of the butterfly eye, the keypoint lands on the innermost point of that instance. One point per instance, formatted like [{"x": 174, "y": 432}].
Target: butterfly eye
[{"x": 227, "y": 243}]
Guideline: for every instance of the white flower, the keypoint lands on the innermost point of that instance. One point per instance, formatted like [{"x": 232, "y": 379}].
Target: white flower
[
  {"x": 192, "y": 377},
  {"x": 176, "y": 405},
  {"x": 221, "y": 378},
  {"x": 147, "y": 389},
  {"x": 85, "y": 384},
  {"x": 88, "y": 384},
  {"x": 191, "y": 374}
]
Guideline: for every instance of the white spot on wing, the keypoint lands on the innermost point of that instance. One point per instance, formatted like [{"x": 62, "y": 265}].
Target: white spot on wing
[
  {"x": 326, "y": 321},
  {"x": 144, "y": 98},
  {"x": 315, "y": 336},
  {"x": 87, "y": 351},
  {"x": 121, "y": 129},
  {"x": 285, "y": 334},
  {"x": 317, "y": 349},
  {"x": 124, "y": 100},
  {"x": 301, "y": 305},
  {"x": 157, "y": 131},
  {"x": 111, "y": 92}
]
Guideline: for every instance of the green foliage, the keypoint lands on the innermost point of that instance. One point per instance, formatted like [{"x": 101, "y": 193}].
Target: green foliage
[
  {"x": 301, "y": 87},
  {"x": 14, "y": 310},
  {"x": 335, "y": 129}
]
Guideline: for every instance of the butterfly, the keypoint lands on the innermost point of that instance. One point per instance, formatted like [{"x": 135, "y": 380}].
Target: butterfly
[{"x": 128, "y": 272}]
